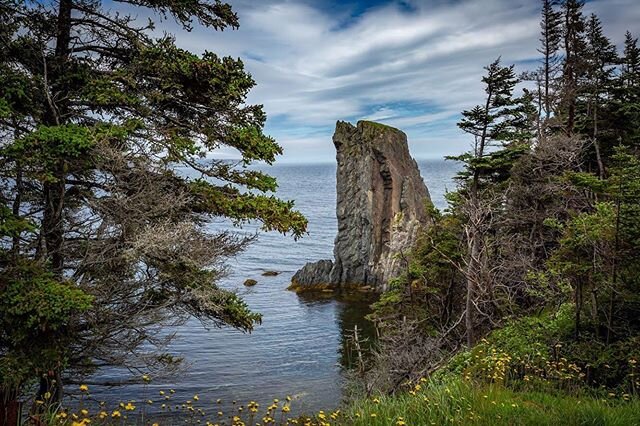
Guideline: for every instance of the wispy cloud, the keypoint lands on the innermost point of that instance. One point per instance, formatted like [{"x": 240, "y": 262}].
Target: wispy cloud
[{"x": 412, "y": 64}]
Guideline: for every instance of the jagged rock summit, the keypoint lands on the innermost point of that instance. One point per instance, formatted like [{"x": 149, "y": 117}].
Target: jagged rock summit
[{"x": 381, "y": 204}]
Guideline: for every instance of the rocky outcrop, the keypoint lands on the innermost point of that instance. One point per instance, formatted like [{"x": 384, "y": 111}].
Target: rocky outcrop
[
  {"x": 381, "y": 204},
  {"x": 315, "y": 274}
]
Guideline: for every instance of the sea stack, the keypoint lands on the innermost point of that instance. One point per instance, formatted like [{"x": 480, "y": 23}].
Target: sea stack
[{"x": 381, "y": 205}]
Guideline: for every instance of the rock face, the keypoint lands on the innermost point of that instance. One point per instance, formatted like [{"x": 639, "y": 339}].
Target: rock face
[{"x": 381, "y": 204}]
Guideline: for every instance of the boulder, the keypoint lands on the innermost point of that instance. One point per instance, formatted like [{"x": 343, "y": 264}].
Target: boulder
[
  {"x": 381, "y": 205},
  {"x": 313, "y": 275},
  {"x": 250, "y": 282}
]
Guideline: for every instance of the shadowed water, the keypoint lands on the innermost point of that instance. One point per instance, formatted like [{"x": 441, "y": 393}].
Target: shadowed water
[{"x": 298, "y": 349}]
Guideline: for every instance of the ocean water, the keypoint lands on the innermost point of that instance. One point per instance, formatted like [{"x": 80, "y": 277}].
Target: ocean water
[{"x": 299, "y": 348}]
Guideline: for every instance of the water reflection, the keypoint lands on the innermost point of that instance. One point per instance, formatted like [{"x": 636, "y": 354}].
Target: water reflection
[{"x": 351, "y": 315}]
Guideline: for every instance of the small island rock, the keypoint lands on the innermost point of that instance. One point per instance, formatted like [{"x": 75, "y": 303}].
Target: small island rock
[{"x": 381, "y": 205}]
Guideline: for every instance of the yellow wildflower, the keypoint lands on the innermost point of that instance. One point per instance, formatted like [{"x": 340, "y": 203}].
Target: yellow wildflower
[{"x": 84, "y": 388}]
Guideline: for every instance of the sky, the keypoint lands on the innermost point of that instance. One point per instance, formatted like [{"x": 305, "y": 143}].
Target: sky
[{"x": 412, "y": 64}]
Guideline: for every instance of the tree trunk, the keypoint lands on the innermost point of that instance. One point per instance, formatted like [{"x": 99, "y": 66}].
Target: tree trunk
[
  {"x": 475, "y": 219},
  {"x": 15, "y": 244},
  {"x": 52, "y": 223},
  {"x": 473, "y": 270},
  {"x": 9, "y": 409},
  {"x": 578, "y": 303},
  {"x": 614, "y": 266},
  {"x": 56, "y": 114},
  {"x": 49, "y": 390},
  {"x": 52, "y": 232},
  {"x": 596, "y": 144}
]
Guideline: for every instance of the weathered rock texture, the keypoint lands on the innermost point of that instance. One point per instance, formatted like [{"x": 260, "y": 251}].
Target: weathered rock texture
[{"x": 381, "y": 204}]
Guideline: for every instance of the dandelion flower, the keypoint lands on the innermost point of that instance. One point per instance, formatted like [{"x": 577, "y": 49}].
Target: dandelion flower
[{"x": 84, "y": 388}]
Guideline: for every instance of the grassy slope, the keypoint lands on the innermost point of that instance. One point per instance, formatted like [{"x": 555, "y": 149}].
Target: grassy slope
[{"x": 455, "y": 402}]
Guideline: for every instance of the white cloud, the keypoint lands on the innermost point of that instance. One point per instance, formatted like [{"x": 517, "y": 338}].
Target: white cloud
[{"x": 414, "y": 69}]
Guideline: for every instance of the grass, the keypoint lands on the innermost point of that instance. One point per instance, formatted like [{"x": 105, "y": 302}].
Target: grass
[
  {"x": 458, "y": 402},
  {"x": 449, "y": 400}
]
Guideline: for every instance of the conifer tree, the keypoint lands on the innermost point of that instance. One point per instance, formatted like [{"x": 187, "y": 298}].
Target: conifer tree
[
  {"x": 106, "y": 196},
  {"x": 501, "y": 128},
  {"x": 551, "y": 39},
  {"x": 599, "y": 66},
  {"x": 573, "y": 66},
  {"x": 626, "y": 96}
]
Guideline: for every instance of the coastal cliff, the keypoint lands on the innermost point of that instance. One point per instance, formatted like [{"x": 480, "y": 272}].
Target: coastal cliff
[{"x": 381, "y": 204}]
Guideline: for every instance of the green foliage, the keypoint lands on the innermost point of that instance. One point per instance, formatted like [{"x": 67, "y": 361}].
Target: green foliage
[
  {"x": 12, "y": 226},
  {"x": 36, "y": 314},
  {"x": 46, "y": 146},
  {"x": 539, "y": 353},
  {"x": 426, "y": 292},
  {"x": 99, "y": 120},
  {"x": 454, "y": 401},
  {"x": 35, "y": 302},
  {"x": 276, "y": 215}
]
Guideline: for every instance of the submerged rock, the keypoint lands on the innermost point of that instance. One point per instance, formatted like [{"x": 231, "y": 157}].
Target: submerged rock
[
  {"x": 250, "y": 282},
  {"x": 381, "y": 205},
  {"x": 270, "y": 273}
]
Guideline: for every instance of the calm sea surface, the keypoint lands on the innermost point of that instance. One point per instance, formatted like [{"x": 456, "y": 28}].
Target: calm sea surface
[{"x": 298, "y": 349}]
